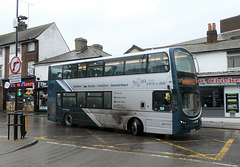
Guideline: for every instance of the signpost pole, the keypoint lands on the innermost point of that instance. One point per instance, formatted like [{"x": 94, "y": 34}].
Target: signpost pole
[{"x": 16, "y": 96}]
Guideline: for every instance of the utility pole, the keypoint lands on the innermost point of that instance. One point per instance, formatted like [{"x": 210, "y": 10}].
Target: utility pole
[{"x": 16, "y": 59}]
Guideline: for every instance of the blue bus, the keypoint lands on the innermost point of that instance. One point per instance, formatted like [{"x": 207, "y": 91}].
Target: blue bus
[{"x": 154, "y": 91}]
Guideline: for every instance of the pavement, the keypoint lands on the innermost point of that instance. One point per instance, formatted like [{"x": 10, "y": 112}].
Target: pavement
[
  {"x": 221, "y": 123},
  {"x": 9, "y": 146}
]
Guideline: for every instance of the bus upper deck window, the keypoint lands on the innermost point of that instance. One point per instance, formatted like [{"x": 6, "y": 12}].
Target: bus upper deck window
[{"x": 158, "y": 62}]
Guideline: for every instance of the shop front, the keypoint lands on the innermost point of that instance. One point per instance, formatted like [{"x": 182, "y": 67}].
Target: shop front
[
  {"x": 42, "y": 96},
  {"x": 21, "y": 93},
  {"x": 220, "y": 95}
]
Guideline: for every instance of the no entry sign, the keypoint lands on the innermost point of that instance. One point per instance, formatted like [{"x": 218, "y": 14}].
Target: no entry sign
[{"x": 15, "y": 65}]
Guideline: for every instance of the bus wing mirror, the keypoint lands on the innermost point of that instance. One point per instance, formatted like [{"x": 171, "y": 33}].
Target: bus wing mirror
[{"x": 196, "y": 64}]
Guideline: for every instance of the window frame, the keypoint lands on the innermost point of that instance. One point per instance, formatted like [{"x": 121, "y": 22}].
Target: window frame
[
  {"x": 168, "y": 106},
  {"x": 101, "y": 67},
  {"x": 233, "y": 64},
  {"x": 31, "y": 47},
  {"x": 93, "y": 94}
]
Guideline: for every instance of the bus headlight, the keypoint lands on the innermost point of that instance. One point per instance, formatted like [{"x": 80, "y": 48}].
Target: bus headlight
[{"x": 182, "y": 122}]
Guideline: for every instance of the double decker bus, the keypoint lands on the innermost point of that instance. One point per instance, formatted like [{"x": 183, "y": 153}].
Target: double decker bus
[{"x": 154, "y": 91}]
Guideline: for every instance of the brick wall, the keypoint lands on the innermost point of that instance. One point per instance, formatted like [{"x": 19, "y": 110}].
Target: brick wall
[
  {"x": 27, "y": 57},
  {"x": 229, "y": 24},
  {"x": 7, "y": 53}
]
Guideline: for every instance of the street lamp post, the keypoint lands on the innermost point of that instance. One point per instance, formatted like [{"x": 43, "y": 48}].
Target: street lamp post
[{"x": 16, "y": 24}]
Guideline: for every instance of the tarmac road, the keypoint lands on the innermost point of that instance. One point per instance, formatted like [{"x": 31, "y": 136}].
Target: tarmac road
[{"x": 61, "y": 146}]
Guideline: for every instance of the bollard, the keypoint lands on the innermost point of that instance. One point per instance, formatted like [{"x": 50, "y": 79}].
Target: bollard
[
  {"x": 23, "y": 125},
  {"x": 23, "y": 120}
]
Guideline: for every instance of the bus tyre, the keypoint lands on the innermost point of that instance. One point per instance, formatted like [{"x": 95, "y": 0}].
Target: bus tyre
[
  {"x": 68, "y": 120},
  {"x": 136, "y": 127}
]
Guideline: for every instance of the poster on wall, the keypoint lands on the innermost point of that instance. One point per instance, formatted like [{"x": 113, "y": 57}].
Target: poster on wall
[{"x": 232, "y": 103}]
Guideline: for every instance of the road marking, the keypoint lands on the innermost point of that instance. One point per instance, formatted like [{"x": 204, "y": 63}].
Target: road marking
[
  {"x": 143, "y": 154},
  {"x": 126, "y": 144},
  {"x": 225, "y": 149},
  {"x": 97, "y": 137},
  {"x": 42, "y": 127},
  {"x": 186, "y": 149}
]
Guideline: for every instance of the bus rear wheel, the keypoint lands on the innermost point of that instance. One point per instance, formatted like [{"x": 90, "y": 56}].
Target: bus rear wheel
[
  {"x": 136, "y": 127},
  {"x": 68, "y": 120}
]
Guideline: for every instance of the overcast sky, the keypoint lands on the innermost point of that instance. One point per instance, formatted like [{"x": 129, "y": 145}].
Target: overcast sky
[{"x": 118, "y": 24}]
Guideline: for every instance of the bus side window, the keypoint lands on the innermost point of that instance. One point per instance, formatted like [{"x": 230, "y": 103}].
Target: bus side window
[
  {"x": 82, "y": 71},
  {"x": 158, "y": 62},
  {"x": 81, "y": 99},
  {"x": 69, "y": 99},
  {"x": 136, "y": 66},
  {"x": 113, "y": 68},
  {"x": 69, "y": 71},
  {"x": 95, "y": 69},
  {"x": 161, "y": 101}
]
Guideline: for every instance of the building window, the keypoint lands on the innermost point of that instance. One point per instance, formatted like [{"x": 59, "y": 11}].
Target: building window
[
  {"x": 1, "y": 70},
  {"x": 31, "y": 68},
  {"x": 234, "y": 61},
  {"x": 212, "y": 96},
  {"x": 1, "y": 52},
  {"x": 31, "y": 47},
  {"x": 13, "y": 48}
]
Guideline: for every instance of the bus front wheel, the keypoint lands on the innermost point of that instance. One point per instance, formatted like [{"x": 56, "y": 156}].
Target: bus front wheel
[
  {"x": 136, "y": 127},
  {"x": 68, "y": 120}
]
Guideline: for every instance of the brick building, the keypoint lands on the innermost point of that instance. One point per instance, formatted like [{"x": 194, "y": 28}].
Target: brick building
[{"x": 34, "y": 45}]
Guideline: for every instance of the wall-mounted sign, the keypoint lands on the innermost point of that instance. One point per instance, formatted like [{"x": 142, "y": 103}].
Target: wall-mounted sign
[
  {"x": 232, "y": 103},
  {"x": 219, "y": 81}
]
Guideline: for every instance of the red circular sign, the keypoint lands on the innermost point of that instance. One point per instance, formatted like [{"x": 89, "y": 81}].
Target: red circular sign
[{"x": 15, "y": 65}]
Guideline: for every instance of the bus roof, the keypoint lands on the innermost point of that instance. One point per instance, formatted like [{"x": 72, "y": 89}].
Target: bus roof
[{"x": 114, "y": 57}]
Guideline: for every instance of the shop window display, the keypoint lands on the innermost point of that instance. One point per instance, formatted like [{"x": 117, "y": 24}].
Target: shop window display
[
  {"x": 10, "y": 103},
  {"x": 25, "y": 99},
  {"x": 42, "y": 101},
  {"x": 212, "y": 96}
]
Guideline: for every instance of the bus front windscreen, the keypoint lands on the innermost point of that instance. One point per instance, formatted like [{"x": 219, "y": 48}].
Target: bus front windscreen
[
  {"x": 184, "y": 61},
  {"x": 190, "y": 104},
  {"x": 185, "y": 67}
]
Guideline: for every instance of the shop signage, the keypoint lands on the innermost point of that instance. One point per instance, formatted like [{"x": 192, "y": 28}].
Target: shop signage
[
  {"x": 219, "y": 81},
  {"x": 18, "y": 85},
  {"x": 43, "y": 84}
]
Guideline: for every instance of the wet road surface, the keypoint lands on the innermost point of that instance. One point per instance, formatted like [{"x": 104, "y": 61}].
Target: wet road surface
[{"x": 86, "y": 146}]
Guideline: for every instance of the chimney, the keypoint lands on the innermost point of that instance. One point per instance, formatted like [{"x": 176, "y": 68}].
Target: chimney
[
  {"x": 80, "y": 44},
  {"x": 211, "y": 33},
  {"x": 22, "y": 26},
  {"x": 98, "y": 46}
]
